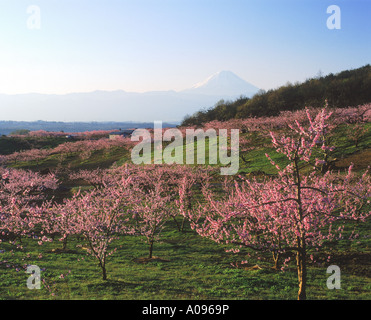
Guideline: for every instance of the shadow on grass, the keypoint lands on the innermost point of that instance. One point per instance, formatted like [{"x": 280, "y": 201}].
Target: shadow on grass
[
  {"x": 112, "y": 285},
  {"x": 146, "y": 259}
]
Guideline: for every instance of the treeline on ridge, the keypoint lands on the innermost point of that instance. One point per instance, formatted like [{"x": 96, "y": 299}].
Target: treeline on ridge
[{"x": 347, "y": 88}]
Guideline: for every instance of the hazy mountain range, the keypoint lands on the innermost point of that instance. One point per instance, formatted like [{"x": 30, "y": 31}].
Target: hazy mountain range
[
  {"x": 8, "y": 127},
  {"x": 122, "y": 106}
]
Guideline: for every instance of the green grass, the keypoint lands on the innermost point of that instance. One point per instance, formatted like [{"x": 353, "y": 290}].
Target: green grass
[
  {"x": 98, "y": 159},
  {"x": 187, "y": 267},
  {"x": 10, "y": 144}
]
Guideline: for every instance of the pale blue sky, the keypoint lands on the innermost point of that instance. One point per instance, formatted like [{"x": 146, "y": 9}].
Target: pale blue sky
[{"x": 145, "y": 45}]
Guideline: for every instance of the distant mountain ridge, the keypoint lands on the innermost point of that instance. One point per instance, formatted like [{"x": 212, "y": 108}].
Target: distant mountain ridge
[{"x": 119, "y": 105}]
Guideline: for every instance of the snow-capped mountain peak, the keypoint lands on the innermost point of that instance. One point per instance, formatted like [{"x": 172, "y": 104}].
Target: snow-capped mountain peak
[{"x": 224, "y": 83}]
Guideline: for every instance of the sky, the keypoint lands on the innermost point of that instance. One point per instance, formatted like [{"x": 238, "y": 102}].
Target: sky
[{"x": 151, "y": 45}]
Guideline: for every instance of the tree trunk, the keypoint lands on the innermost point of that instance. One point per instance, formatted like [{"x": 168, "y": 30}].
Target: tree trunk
[
  {"x": 276, "y": 258},
  {"x": 102, "y": 263},
  {"x": 183, "y": 223},
  {"x": 64, "y": 247},
  {"x": 104, "y": 273},
  {"x": 150, "y": 249},
  {"x": 300, "y": 240},
  {"x": 177, "y": 224},
  {"x": 302, "y": 272}
]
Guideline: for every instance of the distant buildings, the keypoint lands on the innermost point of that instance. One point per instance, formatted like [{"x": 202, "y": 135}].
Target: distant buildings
[{"x": 122, "y": 133}]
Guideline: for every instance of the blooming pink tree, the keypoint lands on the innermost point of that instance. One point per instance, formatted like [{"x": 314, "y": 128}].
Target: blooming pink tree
[
  {"x": 15, "y": 221},
  {"x": 25, "y": 184},
  {"x": 188, "y": 185},
  {"x": 356, "y": 133},
  {"x": 293, "y": 212},
  {"x": 151, "y": 204},
  {"x": 20, "y": 192},
  {"x": 101, "y": 217},
  {"x": 59, "y": 219}
]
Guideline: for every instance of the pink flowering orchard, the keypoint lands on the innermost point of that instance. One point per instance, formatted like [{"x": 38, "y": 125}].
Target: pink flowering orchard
[
  {"x": 295, "y": 212},
  {"x": 142, "y": 199},
  {"x": 289, "y": 216}
]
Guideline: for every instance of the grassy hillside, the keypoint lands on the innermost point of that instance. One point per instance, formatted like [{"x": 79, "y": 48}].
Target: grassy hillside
[{"x": 9, "y": 144}]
